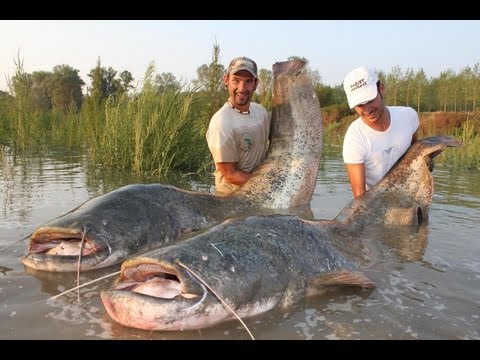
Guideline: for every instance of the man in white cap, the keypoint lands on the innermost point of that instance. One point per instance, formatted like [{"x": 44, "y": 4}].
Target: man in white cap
[
  {"x": 380, "y": 136},
  {"x": 238, "y": 133}
]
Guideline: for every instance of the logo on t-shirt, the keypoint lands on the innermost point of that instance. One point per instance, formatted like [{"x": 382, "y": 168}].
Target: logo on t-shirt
[
  {"x": 390, "y": 156},
  {"x": 247, "y": 142},
  {"x": 389, "y": 150}
]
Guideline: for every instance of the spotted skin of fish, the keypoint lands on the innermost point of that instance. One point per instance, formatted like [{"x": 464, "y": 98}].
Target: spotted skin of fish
[
  {"x": 138, "y": 217},
  {"x": 265, "y": 262}
]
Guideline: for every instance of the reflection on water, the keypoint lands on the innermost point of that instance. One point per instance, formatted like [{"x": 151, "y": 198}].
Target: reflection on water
[
  {"x": 427, "y": 277},
  {"x": 407, "y": 242}
]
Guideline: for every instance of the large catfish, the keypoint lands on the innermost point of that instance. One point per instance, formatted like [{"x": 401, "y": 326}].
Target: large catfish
[
  {"x": 265, "y": 262},
  {"x": 136, "y": 218}
]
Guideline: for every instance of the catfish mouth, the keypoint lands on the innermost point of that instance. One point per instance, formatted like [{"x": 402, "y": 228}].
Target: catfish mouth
[
  {"x": 160, "y": 281},
  {"x": 59, "y": 250},
  {"x": 155, "y": 296}
]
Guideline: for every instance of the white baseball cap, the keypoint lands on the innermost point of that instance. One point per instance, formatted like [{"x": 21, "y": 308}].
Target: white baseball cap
[{"x": 360, "y": 85}]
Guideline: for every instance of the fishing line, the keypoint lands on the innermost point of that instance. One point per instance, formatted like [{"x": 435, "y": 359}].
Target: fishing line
[
  {"x": 17, "y": 241},
  {"x": 219, "y": 298},
  {"x": 85, "y": 230},
  {"x": 84, "y": 284}
]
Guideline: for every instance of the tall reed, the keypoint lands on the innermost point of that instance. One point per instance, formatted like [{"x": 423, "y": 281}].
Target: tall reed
[
  {"x": 141, "y": 132},
  {"x": 466, "y": 157}
]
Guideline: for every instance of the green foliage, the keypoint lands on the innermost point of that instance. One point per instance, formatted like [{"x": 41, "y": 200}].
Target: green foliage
[
  {"x": 160, "y": 126},
  {"x": 5, "y": 99},
  {"x": 44, "y": 90},
  {"x": 40, "y": 90},
  {"x": 265, "y": 89},
  {"x": 449, "y": 91},
  {"x": 106, "y": 83},
  {"x": 466, "y": 157},
  {"x": 210, "y": 83},
  {"x": 167, "y": 81},
  {"x": 328, "y": 95},
  {"x": 146, "y": 132},
  {"x": 126, "y": 80},
  {"x": 65, "y": 88}
]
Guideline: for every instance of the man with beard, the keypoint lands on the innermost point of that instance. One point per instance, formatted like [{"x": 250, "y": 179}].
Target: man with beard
[{"x": 238, "y": 133}]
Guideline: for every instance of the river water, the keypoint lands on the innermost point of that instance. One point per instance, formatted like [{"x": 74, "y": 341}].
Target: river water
[{"x": 427, "y": 279}]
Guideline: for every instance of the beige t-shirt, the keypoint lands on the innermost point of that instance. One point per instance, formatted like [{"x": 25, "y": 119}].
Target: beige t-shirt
[{"x": 236, "y": 137}]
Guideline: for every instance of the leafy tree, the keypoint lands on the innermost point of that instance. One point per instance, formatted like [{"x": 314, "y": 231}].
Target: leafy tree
[
  {"x": 420, "y": 81},
  {"x": 210, "y": 77},
  {"x": 39, "y": 91},
  {"x": 111, "y": 85},
  {"x": 65, "y": 88},
  {"x": 210, "y": 83},
  {"x": 444, "y": 84},
  {"x": 328, "y": 95},
  {"x": 96, "y": 92},
  {"x": 475, "y": 85},
  {"x": 393, "y": 80},
  {"x": 126, "y": 80},
  {"x": 409, "y": 84},
  {"x": 166, "y": 81},
  {"x": 106, "y": 83},
  {"x": 21, "y": 83},
  {"x": 265, "y": 88},
  {"x": 470, "y": 80}
]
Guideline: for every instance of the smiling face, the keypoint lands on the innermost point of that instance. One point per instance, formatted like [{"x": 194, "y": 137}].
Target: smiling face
[
  {"x": 241, "y": 87},
  {"x": 373, "y": 111}
]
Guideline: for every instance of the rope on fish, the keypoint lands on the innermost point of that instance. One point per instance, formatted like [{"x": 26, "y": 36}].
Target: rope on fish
[
  {"x": 16, "y": 241},
  {"x": 84, "y": 284},
  {"x": 219, "y": 298},
  {"x": 85, "y": 230}
]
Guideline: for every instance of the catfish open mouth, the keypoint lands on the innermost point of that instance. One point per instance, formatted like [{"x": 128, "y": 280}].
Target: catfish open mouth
[
  {"x": 157, "y": 280},
  {"x": 61, "y": 243},
  {"x": 54, "y": 249},
  {"x": 154, "y": 296}
]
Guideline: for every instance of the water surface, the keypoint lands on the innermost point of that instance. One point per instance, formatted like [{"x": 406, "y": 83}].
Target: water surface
[{"x": 427, "y": 279}]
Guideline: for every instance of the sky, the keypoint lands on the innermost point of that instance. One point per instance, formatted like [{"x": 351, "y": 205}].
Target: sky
[{"x": 332, "y": 47}]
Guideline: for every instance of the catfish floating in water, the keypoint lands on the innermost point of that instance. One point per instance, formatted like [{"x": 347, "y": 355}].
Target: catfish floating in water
[
  {"x": 267, "y": 262},
  {"x": 137, "y": 218}
]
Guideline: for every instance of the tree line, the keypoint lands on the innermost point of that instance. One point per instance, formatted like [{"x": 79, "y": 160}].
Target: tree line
[
  {"x": 158, "y": 124},
  {"x": 61, "y": 88}
]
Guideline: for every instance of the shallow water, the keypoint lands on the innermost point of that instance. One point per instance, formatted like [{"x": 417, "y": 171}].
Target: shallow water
[{"x": 427, "y": 279}]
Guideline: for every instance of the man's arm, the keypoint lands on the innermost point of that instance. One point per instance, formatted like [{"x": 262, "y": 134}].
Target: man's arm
[
  {"x": 356, "y": 174},
  {"x": 232, "y": 174}
]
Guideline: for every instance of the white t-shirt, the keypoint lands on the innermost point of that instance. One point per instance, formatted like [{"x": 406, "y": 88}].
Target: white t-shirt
[
  {"x": 236, "y": 137},
  {"x": 380, "y": 150}
]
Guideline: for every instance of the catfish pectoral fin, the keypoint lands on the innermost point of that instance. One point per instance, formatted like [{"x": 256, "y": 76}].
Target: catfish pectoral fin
[{"x": 344, "y": 277}]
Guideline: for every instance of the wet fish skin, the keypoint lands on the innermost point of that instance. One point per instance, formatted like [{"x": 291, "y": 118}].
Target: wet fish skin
[
  {"x": 138, "y": 218},
  {"x": 404, "y": 195},
  {"x": 289, "y": 173},
  {"x": 127, "y": 221},
  {"x": 254, "y": 265},
  {"x": 267, "y": 262}
]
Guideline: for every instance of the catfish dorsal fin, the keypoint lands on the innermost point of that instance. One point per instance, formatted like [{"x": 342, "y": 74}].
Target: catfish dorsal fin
[{"x": 343, "y": 277}]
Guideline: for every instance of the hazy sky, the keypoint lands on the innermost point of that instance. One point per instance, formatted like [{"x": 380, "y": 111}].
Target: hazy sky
[{"x": 333, "y": 47}]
